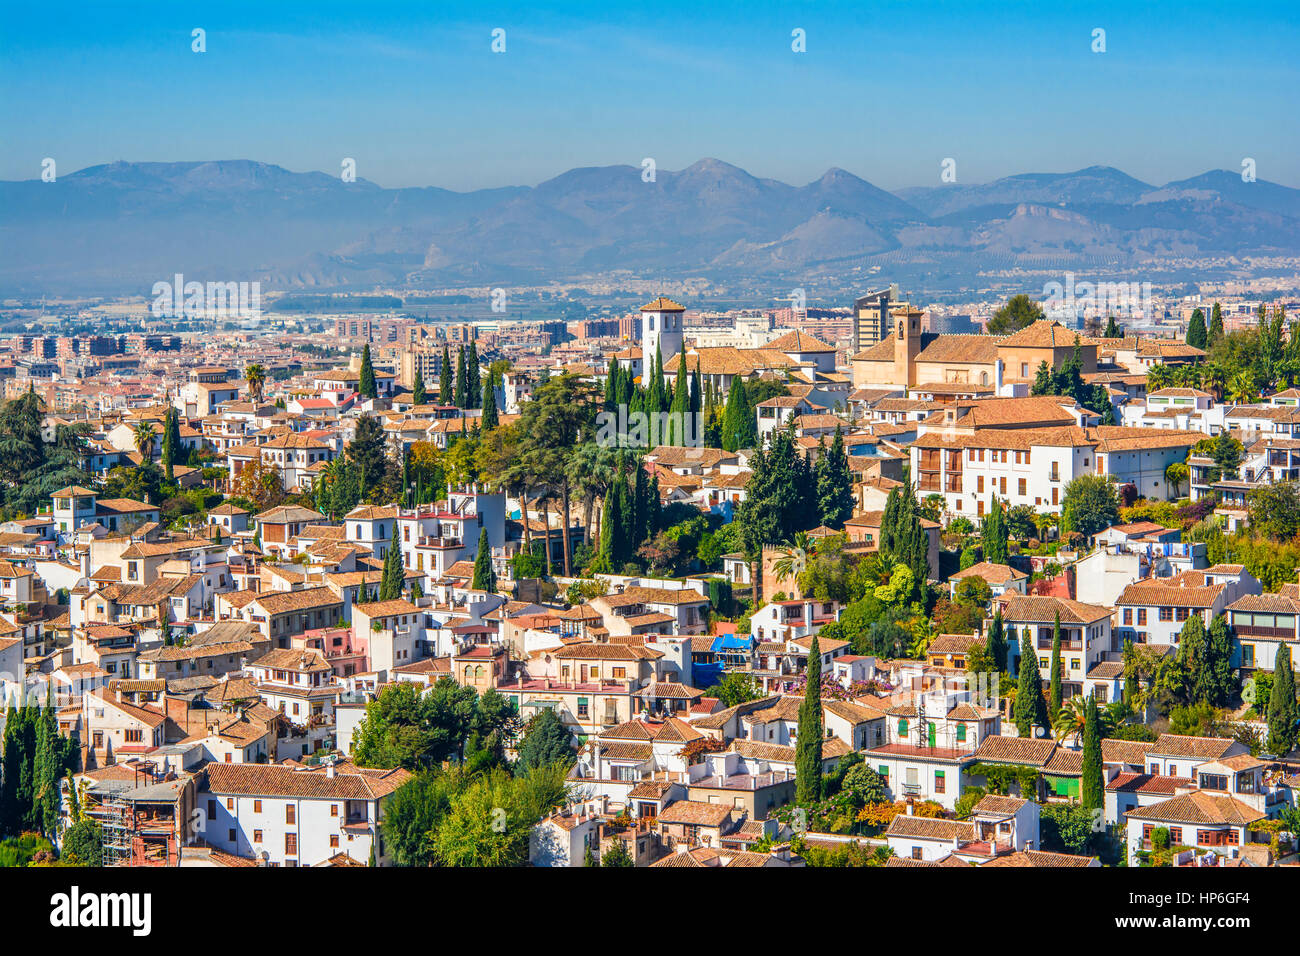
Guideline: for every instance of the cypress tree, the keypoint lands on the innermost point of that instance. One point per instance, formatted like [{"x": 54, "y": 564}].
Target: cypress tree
[
  {"x": 834, "y": 484},
  {"x": 1055, "y": 691},
  {"x": 808, "y": 748},
  {"x": 997, "y": 641},
  {"x": 168, "y": 444},
  {"x": 446, "y": 387},
  {"x": 1112, "y": 330},
  {"x": 654, "y": 507},
  {"x": 474, "y": 383},
  {"x": 367, "y": 387},
  {"x": 994, "y": 534},
  {"x": 418, "y": 396},
  {"x": 645, "y": 524},
  {"x": 1216, "y": 325},
  {"x": 1131, "y": 687},
  {"x": 681, "y": 406},
  {"x": 739, "y": 430},
  {"x": 390, "y": 585},
  {"x": 462, "y": 384},
  {"x": 1030, "y": 708},
  {"x": 1092, "y": 789},
  {"x": 1282, "y": 706},
  {"x": 485, "y": 578},
  {"x": 696, "y": 398},
  {"x": 489, "y": 407},
  {"x": 611, "y": 526},
  {"x": 1196, "y": 334},
  {"x": 613, "y": 388}
]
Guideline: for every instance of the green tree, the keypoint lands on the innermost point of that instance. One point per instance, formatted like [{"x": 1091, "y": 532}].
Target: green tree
[
  {"x": 485, "y": 578},
  {"x": 83, "y": 843},
  {"x": 1216, "y": 325},
  {"x": 808, "y": 746},
  {"x": 366, "y": 387},
  {"x": 488, "y": 823},
  {"x": 617, "y": 856},
  {"x": 1090, "y": 505},
  {"x": 393, "y": 582},
  {"x": 418, "y": 394},
  {"x": 446, "y": 384},
  {"x": 546, "y": 741},
  {"x": 734, "y": 688},
  {"x": 1030, "y": 708},
  {"x": 1197, "y": 337},
  {"x": 462, "y": 383},
  {"x": 994, "y": 534},
  {"x": 1282, "y": 711},
  {"x": 1092, "y": 791},
  {"x": 1018, "y": 312},
  {"x": 739, "y": 426},
  {"x": 1055, "y": 690},
  {"x": 834, "y": 484},
  {"x": 996, "y": 642},
  {"x": 490, "y": 419}
]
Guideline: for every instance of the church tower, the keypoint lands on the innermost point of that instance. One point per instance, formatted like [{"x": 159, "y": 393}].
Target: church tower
[
  {"x": 907, "y": 345},
  {"x": 661, "y": 327}
]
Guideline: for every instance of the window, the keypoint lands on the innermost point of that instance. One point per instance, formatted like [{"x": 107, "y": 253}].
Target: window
[
  {"x": 1128, "y": 616},
  {"x": 290, "y": 814},
  {"x": 883, "y": 771},
  {"x": 257, "y": 836},
  {"x": 939, "y": 781},
  {"x": 961, "y": 733},
  {"x": 1175, "y": 836},
  {"x": 1214, "y": 781},
  {"x": 916, "y": 853},
  {"x": 1023, "y": 488},
  {"x": 1166, "y": 614},
  {"x": 257, "y": 806},
  {"x": 902, "y": 727},
  {"x": 334, "y": 809},
  {"x": 291, "y": 844},
  {"x": 230, "y": 835},
  {"x": 230, "y": 803},
  {"x": 1142, "y": 617},
  {"x": 134, "y": 736},
  {"x": 334, "y": 841}
]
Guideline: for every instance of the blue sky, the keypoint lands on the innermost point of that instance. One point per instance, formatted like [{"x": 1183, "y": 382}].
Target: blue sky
[{"x": 886, "y": 90}]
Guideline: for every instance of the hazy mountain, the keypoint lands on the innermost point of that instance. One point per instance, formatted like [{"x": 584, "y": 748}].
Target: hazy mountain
[{"x": 121, "y": 227}]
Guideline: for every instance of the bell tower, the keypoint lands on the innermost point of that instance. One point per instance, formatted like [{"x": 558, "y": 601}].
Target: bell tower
[
  {"x": 661, "y": 327},
  {"x": 907, "y": 345}
]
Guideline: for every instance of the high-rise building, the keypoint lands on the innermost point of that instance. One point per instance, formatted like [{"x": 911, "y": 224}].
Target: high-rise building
[{"x": 873, "y": 316}]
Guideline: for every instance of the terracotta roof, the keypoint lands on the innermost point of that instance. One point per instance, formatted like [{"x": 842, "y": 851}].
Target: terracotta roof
[
  {"x": 931, "y": 828},
  {"x": 348, "y": 782},
  {"x": 1199, "y": 807},
  {"x": 1021, "y": 750}
]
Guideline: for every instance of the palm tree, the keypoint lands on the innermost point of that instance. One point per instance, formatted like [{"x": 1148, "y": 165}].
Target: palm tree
[
  {"x": 255, "y": 376},
  {"x": 1159, "y": 376},
  {"x": 1241, "y": 389},
  {"x": 794, "y": 559},
  {"x": 1176, "y": 474},
  {"x": 1070, "y": 718},
  {"x": 1215, "y": 380},
  {"x": 144, "y": 438},
  {"x": 591, "y": 469}
]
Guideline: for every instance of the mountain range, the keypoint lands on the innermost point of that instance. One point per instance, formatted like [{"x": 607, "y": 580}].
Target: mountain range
[{"x": 120, "y": 227}]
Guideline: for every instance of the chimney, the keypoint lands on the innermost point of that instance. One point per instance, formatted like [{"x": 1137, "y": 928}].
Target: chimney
[
  {"x": 909, "y": 805},
  {"x": 329, "y": 770}
]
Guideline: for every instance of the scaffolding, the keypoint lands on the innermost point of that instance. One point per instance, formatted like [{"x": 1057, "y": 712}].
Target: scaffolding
[{"x": 143, "y": 821}]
